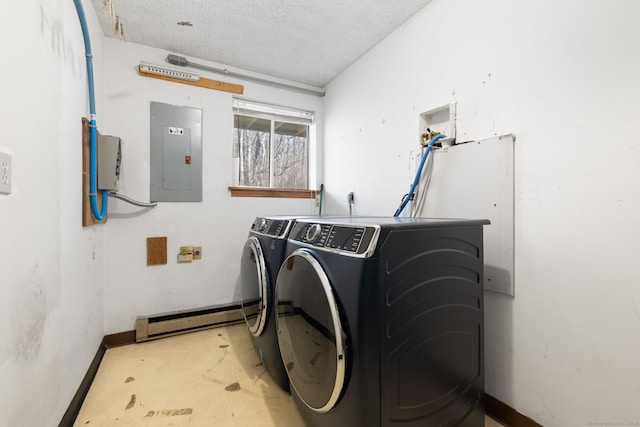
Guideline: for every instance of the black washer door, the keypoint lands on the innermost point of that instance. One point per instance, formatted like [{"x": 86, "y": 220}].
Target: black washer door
[
  {"x": 310, "y": 335},
  {"x": 254, "y": 283}
]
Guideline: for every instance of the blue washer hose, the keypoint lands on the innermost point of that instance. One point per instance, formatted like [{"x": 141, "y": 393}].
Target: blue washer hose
[{"x": 409, "y": 195}]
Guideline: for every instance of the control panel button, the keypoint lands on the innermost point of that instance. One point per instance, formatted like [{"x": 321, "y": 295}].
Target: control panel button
[{"x": 313, "y": 232}]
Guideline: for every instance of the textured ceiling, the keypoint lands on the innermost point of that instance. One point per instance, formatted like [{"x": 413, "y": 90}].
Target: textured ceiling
[{"x": 301, "y": 40}]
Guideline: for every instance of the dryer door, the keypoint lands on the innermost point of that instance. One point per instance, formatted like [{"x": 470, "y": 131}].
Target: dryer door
[
  {"x": 254, "y": 284},
  {"x": 310, "y": 334}
]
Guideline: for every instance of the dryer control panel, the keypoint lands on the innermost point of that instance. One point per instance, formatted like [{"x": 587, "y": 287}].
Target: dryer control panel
[
  {"x": 277, "y": 228},
  {"x": 349, "y": 239}
]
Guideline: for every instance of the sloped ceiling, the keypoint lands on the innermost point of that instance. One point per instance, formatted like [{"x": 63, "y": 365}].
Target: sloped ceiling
[{"x": 301, "y": 40}]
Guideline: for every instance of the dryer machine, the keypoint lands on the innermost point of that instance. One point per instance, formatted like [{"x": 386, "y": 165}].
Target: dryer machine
[
  {"x": 262, "y": 256},
  {"x": 380, "y": 321}
]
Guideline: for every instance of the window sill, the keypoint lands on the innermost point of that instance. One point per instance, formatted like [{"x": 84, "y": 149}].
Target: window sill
[{"x": 271, "y": 192}]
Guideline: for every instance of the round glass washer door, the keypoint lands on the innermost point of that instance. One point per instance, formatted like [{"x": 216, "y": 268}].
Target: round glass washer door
[
  {"x": 310, "y": 334},
  {"x": 254, "y": 284}
]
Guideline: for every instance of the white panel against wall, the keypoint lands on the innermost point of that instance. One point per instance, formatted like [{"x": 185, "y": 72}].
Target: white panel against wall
[{"x": 476, "y": 180}]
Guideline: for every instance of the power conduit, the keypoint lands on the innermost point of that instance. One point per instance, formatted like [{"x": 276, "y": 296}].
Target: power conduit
[{"x": 93, "y": 158}]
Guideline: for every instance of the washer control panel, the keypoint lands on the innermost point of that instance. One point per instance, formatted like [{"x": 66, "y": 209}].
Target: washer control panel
[
  {"x": 313, "y": 233},
  {"x": 277, "y": 228},
  {"x": 357, "y": 240},
  {"x": 345, "y": 238}
]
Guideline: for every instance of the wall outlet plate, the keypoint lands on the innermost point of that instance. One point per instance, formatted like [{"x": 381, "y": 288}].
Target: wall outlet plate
[
  {"x": 185, "y": 258},
  {"x": 186, "y": 254},
  {"x": 5, "y": 173},
  {"x": 197, "y": 252}
]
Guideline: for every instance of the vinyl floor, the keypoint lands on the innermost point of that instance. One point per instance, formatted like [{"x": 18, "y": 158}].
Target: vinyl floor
[{"x": 206, "y": 378}]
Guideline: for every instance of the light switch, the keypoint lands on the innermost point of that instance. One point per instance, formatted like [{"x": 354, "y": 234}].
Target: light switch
[{"x": 5, "y": 173}]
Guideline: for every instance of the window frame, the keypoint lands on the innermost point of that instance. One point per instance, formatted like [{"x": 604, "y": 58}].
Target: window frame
[{"x": 273, "y": 113}]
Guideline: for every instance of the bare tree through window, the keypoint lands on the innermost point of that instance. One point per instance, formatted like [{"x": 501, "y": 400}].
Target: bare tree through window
[
  {"x": 290, "y": 157},
  {"x": 271, "y": 153}
]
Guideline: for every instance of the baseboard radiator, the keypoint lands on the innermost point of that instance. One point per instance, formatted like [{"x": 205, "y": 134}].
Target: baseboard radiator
[{"x": 181, "y": 322}]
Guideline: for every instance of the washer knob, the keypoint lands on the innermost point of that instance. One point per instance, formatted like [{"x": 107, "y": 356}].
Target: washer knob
[
  {"x": 313, "y": 232},
  {"x": 262, "y": 225}
]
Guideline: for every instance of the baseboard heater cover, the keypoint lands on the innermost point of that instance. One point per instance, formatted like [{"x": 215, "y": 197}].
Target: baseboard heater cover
[{"x": 181, "y": 322}]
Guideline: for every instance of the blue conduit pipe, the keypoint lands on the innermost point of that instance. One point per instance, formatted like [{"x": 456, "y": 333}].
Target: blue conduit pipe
[
  {"x": 409, "y": 195},
  {"x": 93, "y": 158}
]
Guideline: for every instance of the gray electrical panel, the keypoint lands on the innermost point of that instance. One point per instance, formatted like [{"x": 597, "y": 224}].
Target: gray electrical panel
[
  {"x": 176, "y": 153},
  {"x": 109, "y": 159}
]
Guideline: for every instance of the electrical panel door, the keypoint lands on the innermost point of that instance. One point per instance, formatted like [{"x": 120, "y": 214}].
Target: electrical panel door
[
  {"x": 176, "y": 150},
  {"x": 176, "y": 147}
]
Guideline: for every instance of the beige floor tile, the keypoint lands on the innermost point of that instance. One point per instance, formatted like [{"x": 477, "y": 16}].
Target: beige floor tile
[
  {"x": 490, "y": 422},
  {"x": 206, "y": 378}
]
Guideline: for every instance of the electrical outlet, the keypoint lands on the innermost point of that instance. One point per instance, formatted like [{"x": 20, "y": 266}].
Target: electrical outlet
[
  {"x": 5, "y": 173},
  {"x": 197, "y": 252},
  {"x": 186, "y": 254},
  {"x": 351, "y": 198}
]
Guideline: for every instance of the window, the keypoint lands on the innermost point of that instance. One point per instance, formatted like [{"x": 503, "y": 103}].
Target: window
[{"x": 271, "y": 146}]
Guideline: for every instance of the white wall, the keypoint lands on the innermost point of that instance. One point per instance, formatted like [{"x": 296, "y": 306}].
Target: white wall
[
  {"x": 219, "y": 223},
  {"x": 51, "y": 269},
  {"x": 562, "y": 76}
]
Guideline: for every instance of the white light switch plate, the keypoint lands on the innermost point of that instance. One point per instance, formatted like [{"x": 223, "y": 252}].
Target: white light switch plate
[{"x": 5, "y": 173}]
